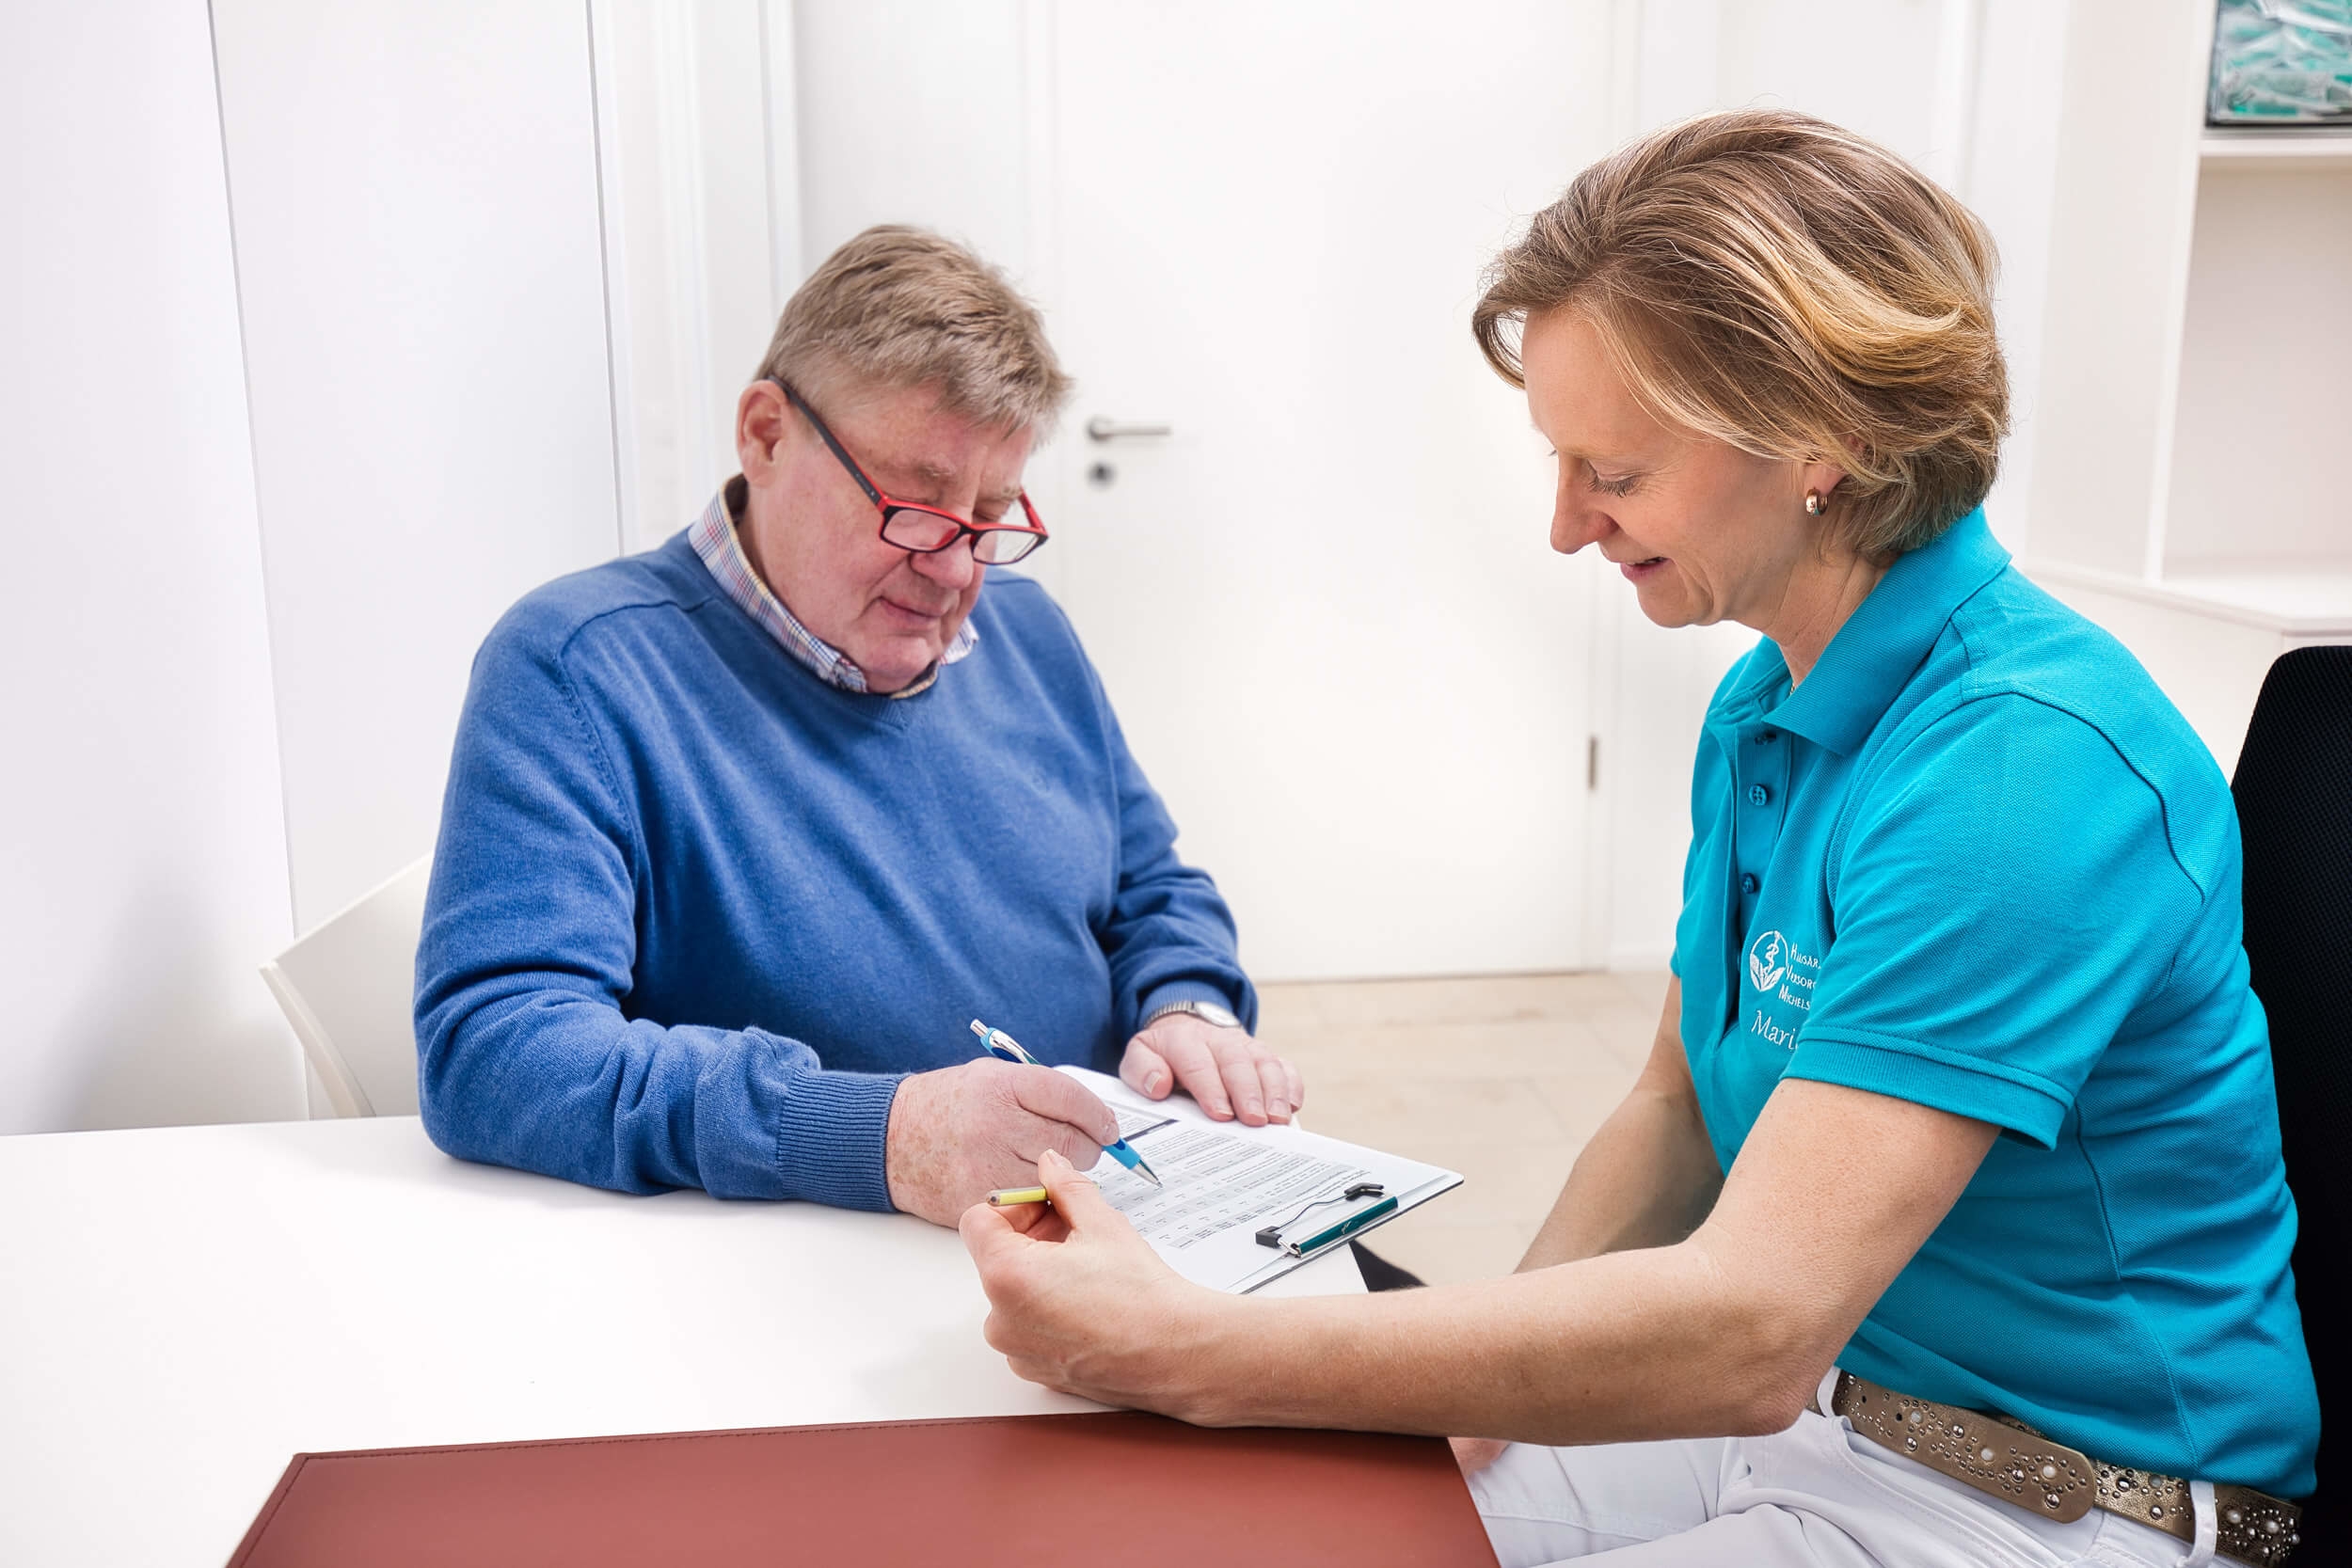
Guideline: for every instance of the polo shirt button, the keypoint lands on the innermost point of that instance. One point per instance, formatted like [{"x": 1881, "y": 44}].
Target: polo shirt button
[
  {"x": 1758, "y": 794},
  {"x": 1748, "y": 882},
  {"x": 1768, "y": 737}
]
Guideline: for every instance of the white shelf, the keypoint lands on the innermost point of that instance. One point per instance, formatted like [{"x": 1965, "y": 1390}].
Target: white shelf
[
  {"x": 2309, "y": 600},
  {"x": 2278, "y": 148}
]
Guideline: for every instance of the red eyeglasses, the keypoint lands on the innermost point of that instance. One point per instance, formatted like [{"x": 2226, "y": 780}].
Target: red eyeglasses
[{"x": 921, "y": 530}]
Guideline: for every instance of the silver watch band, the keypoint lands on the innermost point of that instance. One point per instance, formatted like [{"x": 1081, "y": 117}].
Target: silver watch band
[{"x": 1208, "y": 1012}]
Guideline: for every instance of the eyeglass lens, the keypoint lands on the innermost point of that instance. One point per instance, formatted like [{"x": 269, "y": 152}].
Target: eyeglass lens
[{"x": 925, "y": 531}]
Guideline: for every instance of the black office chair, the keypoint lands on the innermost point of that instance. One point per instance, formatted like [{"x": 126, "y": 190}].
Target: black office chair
[{"x": 2293, "y": 790}]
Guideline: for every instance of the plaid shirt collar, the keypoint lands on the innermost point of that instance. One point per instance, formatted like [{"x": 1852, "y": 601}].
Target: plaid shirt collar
[{"x": 714, "y": 539}]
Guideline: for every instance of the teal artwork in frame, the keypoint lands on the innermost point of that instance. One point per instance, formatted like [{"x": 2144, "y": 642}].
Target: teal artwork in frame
[{"x": 2281, "y": 62}]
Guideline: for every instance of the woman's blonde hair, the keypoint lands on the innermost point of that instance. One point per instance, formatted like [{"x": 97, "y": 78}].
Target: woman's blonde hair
[
  {"x": 1771, "y": 280},
  {"x": 898, "y": 306}
]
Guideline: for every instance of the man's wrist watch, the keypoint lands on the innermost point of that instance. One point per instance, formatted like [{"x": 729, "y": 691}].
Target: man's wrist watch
[{"x": 1208, "y": 1012}]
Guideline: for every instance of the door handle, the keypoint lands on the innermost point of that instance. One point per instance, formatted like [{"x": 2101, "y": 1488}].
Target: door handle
[{"x": 1103, "y": 428}]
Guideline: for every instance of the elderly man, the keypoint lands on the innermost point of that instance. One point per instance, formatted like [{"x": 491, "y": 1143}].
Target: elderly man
[{"x": 741, "y": 833}]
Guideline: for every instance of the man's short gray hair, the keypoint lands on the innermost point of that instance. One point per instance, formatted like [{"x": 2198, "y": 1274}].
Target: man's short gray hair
[{"x": 898, "y": 306}]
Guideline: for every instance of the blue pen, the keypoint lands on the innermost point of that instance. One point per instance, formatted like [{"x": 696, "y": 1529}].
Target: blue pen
[{"x": 1004, "y": 1045}]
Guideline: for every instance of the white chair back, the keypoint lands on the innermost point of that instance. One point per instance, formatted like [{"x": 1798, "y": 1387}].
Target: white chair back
[{"x": 347, "y": 989}]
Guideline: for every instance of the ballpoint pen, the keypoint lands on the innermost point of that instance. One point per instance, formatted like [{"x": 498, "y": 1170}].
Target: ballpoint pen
[
  {"x": 1004, "y": 1045},
  {"x": 1340, "y": 1230}
]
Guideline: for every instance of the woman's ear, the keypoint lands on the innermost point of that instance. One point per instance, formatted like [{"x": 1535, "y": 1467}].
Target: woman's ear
[
  {"x": 1825, "y": 478},
  {"x": 1822, "y": 479}
]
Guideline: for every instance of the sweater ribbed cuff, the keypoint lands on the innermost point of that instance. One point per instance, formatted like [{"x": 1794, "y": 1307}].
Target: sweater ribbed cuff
[{"x": 831, "y": 1143}]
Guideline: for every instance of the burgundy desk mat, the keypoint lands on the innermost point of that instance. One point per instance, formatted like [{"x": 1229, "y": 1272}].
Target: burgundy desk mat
[{"x": 1019, "y": 1492}]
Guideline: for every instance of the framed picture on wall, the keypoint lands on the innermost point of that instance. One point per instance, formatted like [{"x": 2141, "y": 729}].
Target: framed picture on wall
[{"x": 2281, "y": 62}]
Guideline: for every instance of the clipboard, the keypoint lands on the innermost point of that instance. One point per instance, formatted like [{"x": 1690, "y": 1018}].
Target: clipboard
[{"x": 1205, "y": 1226}]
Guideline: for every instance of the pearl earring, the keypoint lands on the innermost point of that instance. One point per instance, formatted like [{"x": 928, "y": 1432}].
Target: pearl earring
[{"x": 1814, "y": 504}]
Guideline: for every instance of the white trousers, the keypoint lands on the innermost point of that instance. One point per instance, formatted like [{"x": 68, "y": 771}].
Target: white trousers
[{"x": 1816, "y": 1494}]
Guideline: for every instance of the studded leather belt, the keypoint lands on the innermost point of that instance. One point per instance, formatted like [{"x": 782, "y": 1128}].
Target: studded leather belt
[{"x": 2016, "y": 1464}]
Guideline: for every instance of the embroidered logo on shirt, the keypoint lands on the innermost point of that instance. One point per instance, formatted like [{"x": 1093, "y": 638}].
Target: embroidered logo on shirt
[{"x": 1783, "y": 972}]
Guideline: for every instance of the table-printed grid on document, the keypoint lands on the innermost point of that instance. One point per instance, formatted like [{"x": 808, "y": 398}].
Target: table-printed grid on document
[{"x": 1214, "y": 1181}]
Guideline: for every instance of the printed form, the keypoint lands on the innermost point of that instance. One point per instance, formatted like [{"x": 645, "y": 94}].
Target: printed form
[{"x": 1222, "y": 1181}]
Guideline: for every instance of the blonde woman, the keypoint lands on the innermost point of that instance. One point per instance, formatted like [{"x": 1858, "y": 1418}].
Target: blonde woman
[{"x": 1947, "y": 1222}]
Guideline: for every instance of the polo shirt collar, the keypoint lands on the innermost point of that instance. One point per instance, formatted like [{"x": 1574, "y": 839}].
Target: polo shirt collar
[{"x": 1884, "y": 640}]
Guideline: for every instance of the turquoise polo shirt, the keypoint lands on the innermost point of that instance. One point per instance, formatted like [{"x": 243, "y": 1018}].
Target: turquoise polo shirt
[{"x": 1977, "y": 861}]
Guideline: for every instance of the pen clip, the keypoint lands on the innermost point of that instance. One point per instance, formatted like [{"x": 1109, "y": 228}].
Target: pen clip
[
  {"x": 1317, "y": 1246},
  {"x": 1003, "y": 1046}
]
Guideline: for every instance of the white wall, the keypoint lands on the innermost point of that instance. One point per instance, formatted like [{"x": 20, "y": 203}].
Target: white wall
[
  {"x": 979, "y": 174},
  {"x": 701, "y": 169},
  {"x": 2011, "y": 182},
  {"x": 912, "y": 111},
  {"x": 419, "y": 254},
  {"x": 144, "y": 853},
  {"x": 2123, "y": 209}
]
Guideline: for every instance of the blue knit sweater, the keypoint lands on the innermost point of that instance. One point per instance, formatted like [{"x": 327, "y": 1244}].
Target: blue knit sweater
[{"x": 694, "y": 913}]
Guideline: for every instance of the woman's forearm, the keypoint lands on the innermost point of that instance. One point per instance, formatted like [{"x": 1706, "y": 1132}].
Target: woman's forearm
[
  {"x": 1647, "y": 1180},
  {"x": 1612, "y": 1328},
  {"x": 1643, "y": 1184},
  {"x": 1632, "y": 1345},
  {"x": 1650, "y": 1176},
  {"x": 1724, "y": 1332}
]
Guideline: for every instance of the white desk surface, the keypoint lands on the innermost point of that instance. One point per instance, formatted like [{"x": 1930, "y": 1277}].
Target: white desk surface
[{"x": 182, "y": 1309}]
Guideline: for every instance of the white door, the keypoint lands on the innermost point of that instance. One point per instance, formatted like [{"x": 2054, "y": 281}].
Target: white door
[
  {"x": 1323, "y": 602},
  {"x": 420, "y": 264}
]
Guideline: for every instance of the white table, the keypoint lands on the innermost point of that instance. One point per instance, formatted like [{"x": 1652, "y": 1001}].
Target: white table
[{"x": 182, "y": 1310}]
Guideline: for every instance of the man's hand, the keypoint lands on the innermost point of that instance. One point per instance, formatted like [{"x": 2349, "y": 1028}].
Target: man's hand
[
  {"x": 1227, "y": 1071},
  {"x": 1080, "y": 1302},
  {"x": 957, "y": 1133}
]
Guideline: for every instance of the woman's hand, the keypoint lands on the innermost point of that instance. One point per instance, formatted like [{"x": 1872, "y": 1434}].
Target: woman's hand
[
  {"x": 1474, "y": 1454},
  {"x": 1082, "y": 1304}
]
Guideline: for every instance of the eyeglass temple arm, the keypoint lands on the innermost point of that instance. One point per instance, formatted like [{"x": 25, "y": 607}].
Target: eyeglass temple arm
[{"x": 872, "y": 492}]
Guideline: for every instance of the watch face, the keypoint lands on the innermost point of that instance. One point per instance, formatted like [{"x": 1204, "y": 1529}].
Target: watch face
[{"x": 1216, "y": 1015}]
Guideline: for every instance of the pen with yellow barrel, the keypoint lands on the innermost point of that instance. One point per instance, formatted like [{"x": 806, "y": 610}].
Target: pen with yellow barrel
[
  {"x": 1010, "y": 1197},
  {"x": 1004, "y": 1045}
]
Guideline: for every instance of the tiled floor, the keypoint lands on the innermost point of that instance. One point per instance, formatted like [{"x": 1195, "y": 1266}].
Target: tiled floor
[{"x": 1501, "y": 1078}]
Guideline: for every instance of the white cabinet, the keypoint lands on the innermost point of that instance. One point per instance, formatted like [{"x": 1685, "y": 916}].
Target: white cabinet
[
  {"x": 2190, "y": 489},
  {"x": 2209, "y": 641}
]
